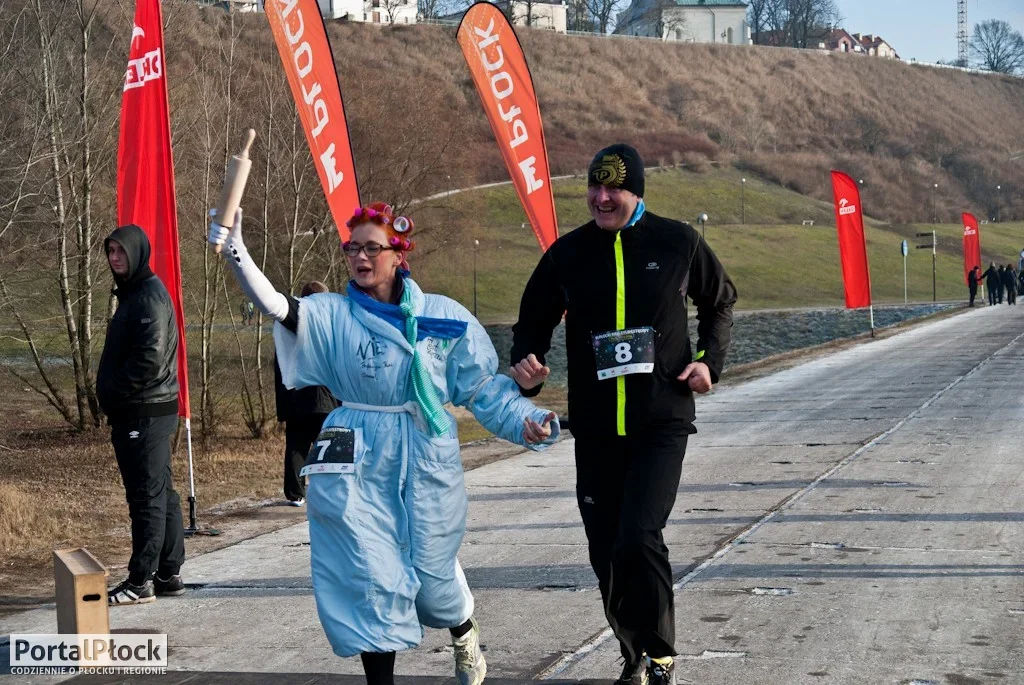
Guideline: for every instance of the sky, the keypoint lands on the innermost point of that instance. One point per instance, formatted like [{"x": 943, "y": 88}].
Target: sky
[{"x": 924, "y": 29}]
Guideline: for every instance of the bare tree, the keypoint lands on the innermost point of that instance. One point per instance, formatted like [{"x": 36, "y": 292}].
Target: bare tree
[
  {"x": 995, "y": 46},
  {"x": 665, "y": 20},
  {"x": 392, "y": 8},
  {"x": 758, "y": 16},
  {"x": 602, "y": 12},
  {"x": 811, "y": 20}
]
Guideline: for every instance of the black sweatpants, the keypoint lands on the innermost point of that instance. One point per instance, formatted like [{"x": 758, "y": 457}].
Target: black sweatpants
[
  {"x": 299, "y": 435},
  {"x": 974, "y": 293},
  {"x": 143, "y": 450},
  {"x": 991, "y": 295},
  {"x": 626, "y": 487}
]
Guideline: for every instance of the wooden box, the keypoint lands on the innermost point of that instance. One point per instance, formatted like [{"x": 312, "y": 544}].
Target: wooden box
[{"x": 81, "y": 584}]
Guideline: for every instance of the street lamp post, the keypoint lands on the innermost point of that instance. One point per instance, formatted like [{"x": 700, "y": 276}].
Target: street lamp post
[
  {"x": 998, "y": 201},
  {"x": 935, "y": 218},
  {"x": 703, "y": 219},
  {"x": 743, "y": 201},
  {"x": 448, "y": 199},
  {"x": 476, "y": 244}
]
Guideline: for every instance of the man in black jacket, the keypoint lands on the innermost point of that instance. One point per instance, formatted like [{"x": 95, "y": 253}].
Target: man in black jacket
[
  {"x": 137, "y": 386},
  {"x": 992, "y": 282},
  {"x": 622, "y": 281},
  {"x": 1010, "y": 284},
  {"x": 972, "y": 282},
  {"x": 303, "y": 412}
]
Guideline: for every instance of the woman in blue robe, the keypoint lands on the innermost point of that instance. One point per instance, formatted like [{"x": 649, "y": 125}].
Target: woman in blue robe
[{"x": 386, "y": 500}]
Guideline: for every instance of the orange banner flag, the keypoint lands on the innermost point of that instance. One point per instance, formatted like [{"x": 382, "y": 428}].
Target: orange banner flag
[
  {"x": 503, "y": 82},
  {"x": 301, "y": 37}
]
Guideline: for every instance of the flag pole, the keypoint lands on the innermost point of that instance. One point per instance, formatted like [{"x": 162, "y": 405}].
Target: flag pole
[
  {"x": 192, "y": 528},
  {"x": 193, "y": 523},
  {"x": 871, "y": 311}
]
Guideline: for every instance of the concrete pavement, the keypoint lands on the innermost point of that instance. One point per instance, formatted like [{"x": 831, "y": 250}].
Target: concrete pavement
[{"x": 855, "y": 519}]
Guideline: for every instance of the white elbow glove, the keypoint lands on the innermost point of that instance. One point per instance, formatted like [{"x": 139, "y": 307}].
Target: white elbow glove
[{"x": 250, "y": 278}]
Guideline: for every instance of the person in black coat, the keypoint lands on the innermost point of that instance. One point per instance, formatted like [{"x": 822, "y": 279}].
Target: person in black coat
[
  {"x": 991, "y": 277},
  {"x": 624, "y": 280},
  {"x": 1010, "y": 284},
  {"x": 303, "y": 412},
  {"x": 972, "y": 282},
  {"x": 137, "y": 388}
]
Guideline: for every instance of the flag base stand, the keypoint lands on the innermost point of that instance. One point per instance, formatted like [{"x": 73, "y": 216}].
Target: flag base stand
[{"x": 193, "y": 529}]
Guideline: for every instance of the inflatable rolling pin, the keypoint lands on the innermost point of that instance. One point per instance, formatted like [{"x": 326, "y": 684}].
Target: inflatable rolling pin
[{"x": 234, "y": 184}]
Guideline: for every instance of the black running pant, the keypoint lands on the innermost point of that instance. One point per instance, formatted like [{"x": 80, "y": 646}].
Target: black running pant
[
  {"x": 299, "y": 435},
  {"x": 143, "y": 450},
  {"x": 974, "y": 293},
  {"x": 626, "y": 487},
  {"x": 991, "y": 295}
]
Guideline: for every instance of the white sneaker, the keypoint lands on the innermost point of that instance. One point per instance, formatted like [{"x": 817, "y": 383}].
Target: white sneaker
[
  {"x": 297, "y": 502},
  {"x": 470, "y": 667}
]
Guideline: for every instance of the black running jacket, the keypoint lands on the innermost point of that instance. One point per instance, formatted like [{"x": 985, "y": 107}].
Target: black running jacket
[{"x": 612, "y": 280}]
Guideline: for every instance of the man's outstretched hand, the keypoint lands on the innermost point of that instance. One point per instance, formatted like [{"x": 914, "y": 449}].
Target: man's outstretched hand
[
  {"x": 529, "y": 373},
  {"x": 698, "y": 376}
]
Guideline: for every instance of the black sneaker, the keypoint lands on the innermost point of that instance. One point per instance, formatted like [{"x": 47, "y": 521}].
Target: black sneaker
[
  {"x": 127, "y": 593},
  {"x": 663, "y": 671},
  {"x": 634, "y": 674},
  {"x": 171, "y": 587}
]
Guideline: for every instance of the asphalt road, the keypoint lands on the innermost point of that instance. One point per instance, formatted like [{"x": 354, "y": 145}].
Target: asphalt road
[{"x": 855, "y": 519}]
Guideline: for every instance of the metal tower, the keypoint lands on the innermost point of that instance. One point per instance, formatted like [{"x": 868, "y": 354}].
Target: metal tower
[{"x": 961, "y": 31}]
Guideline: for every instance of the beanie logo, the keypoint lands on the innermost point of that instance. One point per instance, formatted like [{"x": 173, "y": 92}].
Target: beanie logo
[{"x": 610, "y": 171}]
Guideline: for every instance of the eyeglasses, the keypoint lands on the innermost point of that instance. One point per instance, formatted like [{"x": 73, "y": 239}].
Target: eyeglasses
[{"x": 371, "y": 249}]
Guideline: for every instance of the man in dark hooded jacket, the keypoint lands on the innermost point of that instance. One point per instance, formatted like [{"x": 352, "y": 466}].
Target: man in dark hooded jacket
[
  {"x": 992, "y": 282},
  {"x": 1010, "y": 284},
  {"x": 137, "y": 387},
  {"x": 972, "y": 282}
]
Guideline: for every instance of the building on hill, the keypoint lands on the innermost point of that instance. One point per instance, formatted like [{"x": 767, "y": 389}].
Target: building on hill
[
  {"x": 875, "y": 46},
  {"x": 840, "y": 40},
  {"x": 549, "y": 15},
  {"x": 688, "y": 21},
  {"x": 370, "y": 11}
]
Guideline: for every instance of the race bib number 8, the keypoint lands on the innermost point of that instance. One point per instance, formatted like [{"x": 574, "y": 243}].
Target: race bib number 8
[
  {"x": 333, "y": 452},
  {"x": 620, "y": 353}
]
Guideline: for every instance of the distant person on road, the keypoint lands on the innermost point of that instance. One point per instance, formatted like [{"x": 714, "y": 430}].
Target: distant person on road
[
  {"x": 303, "y": 412},
  {"x": 386, "y": 500},
  {"x": 622, "y": 280},
  {"x": 137, "y": 387},
  {"x": 972, "y": 282},
  {"x": 1010, "y": 284},
  {"x": 992, "y": 278}
]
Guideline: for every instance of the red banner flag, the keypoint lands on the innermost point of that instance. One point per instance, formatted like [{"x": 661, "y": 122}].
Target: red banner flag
[
  {"x": 503, "y": 82},
  {"x": 852, "y": 244},
  {"x": 145, "y": 167},
  {"x": 972, "y": 243},
  {"x": 301, "y": 37}
]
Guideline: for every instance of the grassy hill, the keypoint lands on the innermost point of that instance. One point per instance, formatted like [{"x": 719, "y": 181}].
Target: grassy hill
[{"x": 774, "y": 261}]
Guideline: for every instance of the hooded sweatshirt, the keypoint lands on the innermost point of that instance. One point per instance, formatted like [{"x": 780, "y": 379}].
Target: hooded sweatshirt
[{"x": 138, "y": 371}]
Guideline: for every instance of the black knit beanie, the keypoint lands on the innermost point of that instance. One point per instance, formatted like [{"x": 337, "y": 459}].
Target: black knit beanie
[{"x": 618, "y": 166}]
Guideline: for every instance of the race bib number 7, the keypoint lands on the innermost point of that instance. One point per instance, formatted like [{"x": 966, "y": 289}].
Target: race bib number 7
[
  {"x": 619, "y": 353},
  {"x": 333, "y": 451}
]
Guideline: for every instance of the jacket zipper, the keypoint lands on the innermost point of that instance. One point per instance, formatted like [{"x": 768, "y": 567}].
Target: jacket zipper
[{"x": 620, "y": 324}]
